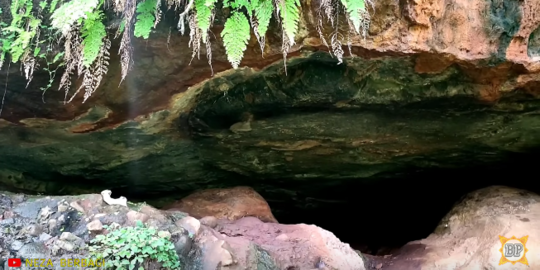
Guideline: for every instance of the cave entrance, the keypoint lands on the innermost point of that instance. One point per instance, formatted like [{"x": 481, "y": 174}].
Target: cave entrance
[{"x": 382, "y": 215}]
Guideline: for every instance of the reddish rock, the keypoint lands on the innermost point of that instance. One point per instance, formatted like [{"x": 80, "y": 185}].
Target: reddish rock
[
  {"x": 469, "y": 236},
  {"x": 297, "y": 246},
  {"x": 228, "y": 203}
]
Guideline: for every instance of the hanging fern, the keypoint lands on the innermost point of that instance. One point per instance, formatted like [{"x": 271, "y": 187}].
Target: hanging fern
[
  {"x": 78, "y": 26},
  {"x": 16, "y": 38},
  {"x": 262, "y": 10},
  {"x": 290, "y": 15},
  {"x": 356, "y": 10},
  {"x": 235, "y": 36},
  {"x": 71, "y": 12},
  {"x": 92, "y": 32},
  {"x": 204, "y": 10},
  {"x": 146, "y": 16}
]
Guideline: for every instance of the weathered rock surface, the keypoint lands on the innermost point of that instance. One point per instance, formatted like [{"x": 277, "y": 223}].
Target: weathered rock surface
[
  {"x": 198, "y": 246},
  {"x": 225, "y": 203},
  {"x": 436, "y": 84},
  {"x": 468, "y": 237}
]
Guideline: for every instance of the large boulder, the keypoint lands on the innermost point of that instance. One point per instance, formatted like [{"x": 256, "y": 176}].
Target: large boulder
[
  {"x": 472, "y": 235},
  {"x": 225, "y": 203}
]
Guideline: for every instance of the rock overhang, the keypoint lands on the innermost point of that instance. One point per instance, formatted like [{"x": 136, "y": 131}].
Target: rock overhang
[{"x": 417, "y": 95}]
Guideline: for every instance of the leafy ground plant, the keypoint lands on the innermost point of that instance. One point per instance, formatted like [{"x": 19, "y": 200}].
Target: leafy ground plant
[{"x": 133, "y": 248}]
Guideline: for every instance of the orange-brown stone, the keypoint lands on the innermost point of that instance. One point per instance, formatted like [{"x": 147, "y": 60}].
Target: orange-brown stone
[{"x": 227, "y": 203}]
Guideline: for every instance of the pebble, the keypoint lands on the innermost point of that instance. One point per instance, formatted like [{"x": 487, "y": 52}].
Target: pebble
[
  {"x": 65, "y": 245},
  {"x": 62, "y": 208},
  {"x": 44, "y": 237},
  {"x": 69, "y": 237},
  {"x": 94, "y": 226},
  {"x": 33, "y": 230}
]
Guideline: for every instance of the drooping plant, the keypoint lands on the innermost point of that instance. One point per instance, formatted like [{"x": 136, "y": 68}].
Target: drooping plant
[{"x": 78, "y": 26}]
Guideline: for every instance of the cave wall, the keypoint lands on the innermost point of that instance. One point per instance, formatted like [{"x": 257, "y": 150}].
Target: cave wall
[{"x": 434, "y": 84}]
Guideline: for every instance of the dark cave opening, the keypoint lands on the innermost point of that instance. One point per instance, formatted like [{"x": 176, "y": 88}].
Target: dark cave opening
[
  {"x": 383, "y": 215},
  {"x": 379, "y": 216}
]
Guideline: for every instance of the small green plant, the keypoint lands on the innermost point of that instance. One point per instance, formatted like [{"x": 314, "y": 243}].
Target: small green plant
[{"x": 131, "y": 247}]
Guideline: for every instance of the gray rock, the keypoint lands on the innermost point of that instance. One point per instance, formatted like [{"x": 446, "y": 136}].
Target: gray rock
[
  {"x": 7, "y": 221},
  {"x": 32, "y": 209},
  {"x": 183, "y": 244},
  {"x": 65, "y": 245},
  {"x": 52, "y": 224},
  {"x": 67, "y": 236},
  {"x": 16, "y": 245},
  {"x": 44, "y": 237},
  {"x": 33, "y": 250},
  {"x": 33, "y": 230}
]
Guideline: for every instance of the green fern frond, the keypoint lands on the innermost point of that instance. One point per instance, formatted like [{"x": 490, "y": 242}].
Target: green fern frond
[
  {"x": 290, "y": 15},
  {"x": 53, "y": 5},
  {"x": 355, "y": 9},
  {"x": 145, "y": 18},
  {"x": 235, "y": 36},
  {"x": 263, "y": 10},
  {"x": 17, "y": 37},
  {"x": 71, "y": 12},
  {"x": 203, "y": 10},
  {"x": 92, "y": 32}
]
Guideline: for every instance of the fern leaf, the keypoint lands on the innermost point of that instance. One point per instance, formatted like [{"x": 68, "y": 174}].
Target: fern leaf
[
  {"x": 356, "y": 11},
  {"x": 262, "y": 11},
  {"x": 146, "y": 12},
  {"x": 53, "y": 5},
  {"x": 69, "y": 13},
  {"x": 204, "y": 9},
  {"x": 235, "y": 36},
  {"x": 290, "y": 15},
  {"x": 92, "y": 32}
]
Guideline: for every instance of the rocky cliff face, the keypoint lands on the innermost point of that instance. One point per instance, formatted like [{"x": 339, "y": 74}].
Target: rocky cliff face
[{"x": 436, "y": 84}]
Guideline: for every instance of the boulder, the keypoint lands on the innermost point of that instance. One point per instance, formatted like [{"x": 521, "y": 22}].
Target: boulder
[
  {"x": 472, "y": 235},
  {"x": 225, "y": 203}
]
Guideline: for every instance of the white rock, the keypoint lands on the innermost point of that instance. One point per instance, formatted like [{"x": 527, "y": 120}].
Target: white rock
[{"x": 106, "y": 194}]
